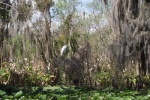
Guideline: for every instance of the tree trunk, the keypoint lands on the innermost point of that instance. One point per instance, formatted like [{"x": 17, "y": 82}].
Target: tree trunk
[{"x": 131, "y": 24}]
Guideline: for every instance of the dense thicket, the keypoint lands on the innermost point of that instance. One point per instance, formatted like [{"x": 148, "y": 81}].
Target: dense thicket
[{"x": 108, "y": 44}]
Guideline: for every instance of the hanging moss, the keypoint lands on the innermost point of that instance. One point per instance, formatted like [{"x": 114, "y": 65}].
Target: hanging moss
[
  {"x": 43, "y": 5},
  {"x": 131, "y": 24},
  {"x": 24, "y": 10},
  {"x": 4, "y": 11}
]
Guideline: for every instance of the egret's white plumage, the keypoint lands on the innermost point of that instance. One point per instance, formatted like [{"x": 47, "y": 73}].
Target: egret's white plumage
[{"x": 63, "y": 50}]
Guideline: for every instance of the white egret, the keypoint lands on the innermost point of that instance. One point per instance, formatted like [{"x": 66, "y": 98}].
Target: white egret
[{"x": 64, "y": 50}]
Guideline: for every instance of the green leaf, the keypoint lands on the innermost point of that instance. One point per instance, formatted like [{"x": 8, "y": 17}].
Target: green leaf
[
  {"x": 10, "y": 97},
  {"x": 7, "y": 97},
  {"x": 129, "y": 98},
  {"x": 146, "y": 97},
  {"x": 62, "y": 97},
  {"x": 43, "y": 97},
  {"x": 2, "y": 72},
  {"x": 23, "y": 98},
  {"x": 2, "y": 93},
  {"x": 36, "y": 96},
  {"x": 139, "y": 98},
  {"x": 117, "y": 98},
  {"x": 18, "y": 94}
]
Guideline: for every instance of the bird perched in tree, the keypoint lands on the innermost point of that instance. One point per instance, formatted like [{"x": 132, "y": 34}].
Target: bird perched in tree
[{"x": 64, "y": 50}]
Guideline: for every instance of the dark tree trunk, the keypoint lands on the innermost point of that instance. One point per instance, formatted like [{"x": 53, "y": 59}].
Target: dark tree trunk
[{"x": 4, "y": 32}]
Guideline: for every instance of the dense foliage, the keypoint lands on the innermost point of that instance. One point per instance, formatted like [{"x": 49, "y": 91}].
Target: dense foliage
[
  {"x": 106, "y": 54},
  {"x": 71, "y": 93}
]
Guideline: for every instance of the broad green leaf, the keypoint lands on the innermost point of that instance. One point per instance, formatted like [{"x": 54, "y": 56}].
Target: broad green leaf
[
  {"x": 139, "y": 98},
  {"x": 62, "y": 97},
  {"x": 36, "y": 96},
  {"x": 23, "y": 98},
  {"x": 2, "y": 93},
  {"x": 43, "y": 97},
  {"x": 10, "y": 97},
  {"x": 18, "y": 94}
]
